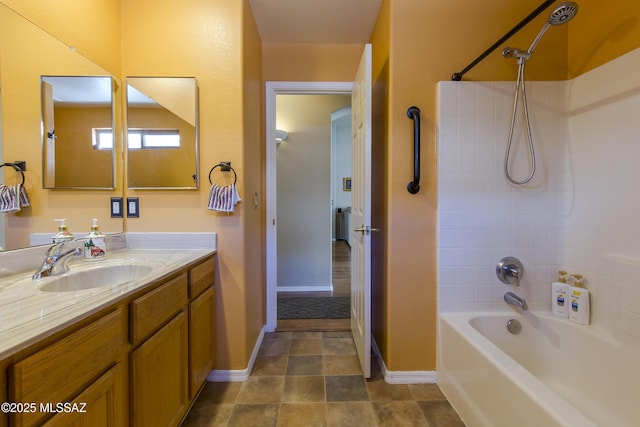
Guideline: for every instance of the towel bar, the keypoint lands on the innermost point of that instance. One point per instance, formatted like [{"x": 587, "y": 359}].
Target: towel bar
[
  {"x": 18, "y": 167},
  {"x": 225, "y": 167}
]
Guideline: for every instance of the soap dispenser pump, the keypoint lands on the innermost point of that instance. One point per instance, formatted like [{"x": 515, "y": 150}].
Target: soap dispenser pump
[
  {"x": 95, "y": 247},
  {"x": 63, "y": 234}
]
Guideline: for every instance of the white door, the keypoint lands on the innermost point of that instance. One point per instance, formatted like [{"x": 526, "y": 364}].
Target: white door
[{"x": 361, "y": 212}]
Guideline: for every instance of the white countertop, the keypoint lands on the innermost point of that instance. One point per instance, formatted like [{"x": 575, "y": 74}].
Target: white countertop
[{"x": 28, "y": 314}]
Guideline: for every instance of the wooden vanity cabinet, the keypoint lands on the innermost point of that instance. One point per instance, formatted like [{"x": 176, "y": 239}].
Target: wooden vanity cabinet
[
  {"x": 140, "y": 362},
  {"x": 169, "y": 368}
]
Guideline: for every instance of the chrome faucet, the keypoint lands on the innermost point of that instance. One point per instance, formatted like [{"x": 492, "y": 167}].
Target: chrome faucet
[
  {"x": 514, "y": 300},
  {"x": 55, "y": 261}
]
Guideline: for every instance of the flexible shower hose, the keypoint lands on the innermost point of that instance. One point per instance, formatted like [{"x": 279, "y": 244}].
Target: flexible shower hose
[{"x": 520, "y": 87}]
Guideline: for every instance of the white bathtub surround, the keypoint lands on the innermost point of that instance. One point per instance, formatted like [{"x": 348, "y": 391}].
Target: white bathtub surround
[
  {"x": 483, "y": 218},
  {"x": 580, "y": 214},
  {"x": 553, "y": 373}
]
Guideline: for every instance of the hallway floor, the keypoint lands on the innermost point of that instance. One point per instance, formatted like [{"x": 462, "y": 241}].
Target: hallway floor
[
  {"x": 341, "y": 280},
  {"x": 314, "y": 379}
]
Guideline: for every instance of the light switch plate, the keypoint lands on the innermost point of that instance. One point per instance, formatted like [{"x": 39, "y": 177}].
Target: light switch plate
[
  {"x": 116, "y": 207},
  {"x": 133, "y": 207}
]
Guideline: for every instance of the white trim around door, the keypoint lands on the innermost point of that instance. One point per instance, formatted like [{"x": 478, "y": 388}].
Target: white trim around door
[{"x": 273, "y": 89}]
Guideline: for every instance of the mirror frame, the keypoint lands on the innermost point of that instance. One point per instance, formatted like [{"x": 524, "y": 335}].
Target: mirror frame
[
  {"x": 127, "y": 127},
  {"x": 45, "y": 137}
]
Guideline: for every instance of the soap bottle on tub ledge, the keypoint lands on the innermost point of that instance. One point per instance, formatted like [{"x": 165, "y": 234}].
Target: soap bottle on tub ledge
[
  {"x": 579, "y": 301},
  {"x": 95, "y": 247},
  {"x": 560, "y": 295}
]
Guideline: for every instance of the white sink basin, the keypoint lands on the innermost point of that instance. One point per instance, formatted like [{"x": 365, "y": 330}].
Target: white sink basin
[{"x": 99, "y": 275}]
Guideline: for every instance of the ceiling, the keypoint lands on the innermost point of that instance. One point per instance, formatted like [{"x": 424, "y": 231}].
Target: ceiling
[{"x": 315, "y": 21}]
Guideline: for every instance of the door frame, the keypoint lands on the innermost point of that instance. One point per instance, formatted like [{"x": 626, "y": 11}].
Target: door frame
[{"x": 271, "y": 90}]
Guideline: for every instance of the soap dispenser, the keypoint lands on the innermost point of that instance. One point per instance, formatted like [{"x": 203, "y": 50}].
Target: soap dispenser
[
  {"x": 63, "y": 234},
  {"x": 95, "y": 247}
]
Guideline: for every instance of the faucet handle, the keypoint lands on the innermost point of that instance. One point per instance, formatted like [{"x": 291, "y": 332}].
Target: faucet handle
[{"x": 510, "y": 270}]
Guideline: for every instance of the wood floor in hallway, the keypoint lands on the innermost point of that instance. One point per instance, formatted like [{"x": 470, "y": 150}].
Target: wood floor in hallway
[{"x": 341, "y": 277}]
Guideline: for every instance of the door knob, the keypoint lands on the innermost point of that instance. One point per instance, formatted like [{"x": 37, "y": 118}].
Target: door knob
[{"x": 365, "y": 229}]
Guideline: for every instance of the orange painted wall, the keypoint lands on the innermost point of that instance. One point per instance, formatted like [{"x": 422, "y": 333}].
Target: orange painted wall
[
  {"x": 27, "y": 53},
  {"x": 217, "y": 44},
  {"x": 92, "y": 27},
  {"x": 310, "y": 62},
  {"x": 604, "y": 31},
  {"x": 254, "y": 171}
]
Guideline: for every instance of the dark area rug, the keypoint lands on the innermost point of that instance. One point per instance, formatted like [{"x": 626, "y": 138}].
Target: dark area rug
[{"x": 314, "y": 308}]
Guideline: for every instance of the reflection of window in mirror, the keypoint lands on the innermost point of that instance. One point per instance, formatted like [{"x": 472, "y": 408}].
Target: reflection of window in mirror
[
  {"x": 139, "y": 139},
  {"x": 102, "y": 139}
]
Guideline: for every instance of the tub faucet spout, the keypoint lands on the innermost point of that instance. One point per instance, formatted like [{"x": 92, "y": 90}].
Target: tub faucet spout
[{"x": 514, "y": 300}]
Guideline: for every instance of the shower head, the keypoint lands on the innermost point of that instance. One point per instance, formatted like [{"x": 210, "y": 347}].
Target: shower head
[
  {"x": 563, "y": 13},
  {"x": 560, "y": 15}
]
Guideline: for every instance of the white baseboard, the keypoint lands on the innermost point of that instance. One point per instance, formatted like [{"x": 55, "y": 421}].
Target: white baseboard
[
  {"x": 402, "y": 377},
  {"x": 220, "y": 375},
  {"x": 391, "y": 377},
  {"x": 318, "y": 288}
]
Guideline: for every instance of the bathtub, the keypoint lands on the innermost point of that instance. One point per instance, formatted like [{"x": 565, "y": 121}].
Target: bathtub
[{"x": 553, "y": 373}]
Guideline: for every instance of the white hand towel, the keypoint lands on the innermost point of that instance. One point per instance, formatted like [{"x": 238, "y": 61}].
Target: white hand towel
[{"x": 223, "y": 199}]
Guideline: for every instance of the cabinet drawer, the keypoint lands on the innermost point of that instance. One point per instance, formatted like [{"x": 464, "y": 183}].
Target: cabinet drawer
[
  {"x": 200, "y": 278},
  {"x": 60, "y": 371},
  {"x": 152, "y": 310}
]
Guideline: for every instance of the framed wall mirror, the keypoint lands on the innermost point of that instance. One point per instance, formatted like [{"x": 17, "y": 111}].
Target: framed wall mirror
[
  {"x": 162, "y": 133},
  {"x": 77, "y": 127}
]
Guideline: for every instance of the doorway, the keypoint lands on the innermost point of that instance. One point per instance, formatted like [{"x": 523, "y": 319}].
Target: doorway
[
  {"x": 275, "y": 89},
  {"x": 313, "y": 160}
]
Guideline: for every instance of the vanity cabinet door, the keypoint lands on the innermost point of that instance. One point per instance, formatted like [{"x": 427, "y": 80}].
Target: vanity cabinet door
[
  {"x": 160, "y": 376},
  {"x": 202, "y": 343},
  {"x": 65, "y": 368},
  {"x": 102, "y": 404}
]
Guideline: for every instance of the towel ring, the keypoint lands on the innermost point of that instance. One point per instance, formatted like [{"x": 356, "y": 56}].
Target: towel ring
[
  {"x": 16, "y": 167},
  {"x": 224, "y": 166}
]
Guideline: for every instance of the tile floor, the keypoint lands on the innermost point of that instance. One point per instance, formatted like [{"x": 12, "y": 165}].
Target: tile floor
[{"x": 314, "y": 379}]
